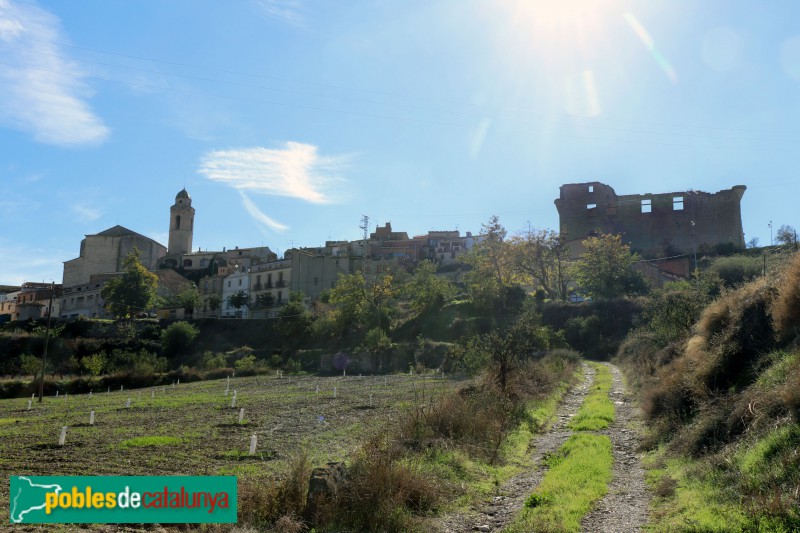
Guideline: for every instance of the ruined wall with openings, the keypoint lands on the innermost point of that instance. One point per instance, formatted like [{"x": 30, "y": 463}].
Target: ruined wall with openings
[{"x": 651, "y": 223}]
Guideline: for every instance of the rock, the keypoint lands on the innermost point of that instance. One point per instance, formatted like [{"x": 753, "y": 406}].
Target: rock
[
  {"x": 484, "y": 527},
  {"x": 323, "y": 486}
]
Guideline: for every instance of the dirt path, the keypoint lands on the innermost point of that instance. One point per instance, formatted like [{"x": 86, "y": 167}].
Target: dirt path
[
  {"x": 625, "y": 506},
  {"x": 503, "y": 507}
]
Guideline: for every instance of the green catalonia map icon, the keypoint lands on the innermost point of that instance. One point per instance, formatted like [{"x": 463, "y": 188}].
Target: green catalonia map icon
[{"x": 28, "y": 499}]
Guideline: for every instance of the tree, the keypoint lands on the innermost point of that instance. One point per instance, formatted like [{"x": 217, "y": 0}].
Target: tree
[
  {"x": 359, "y": 303},
  {"x": 132, "y": 292},
  {"x": 542, "y": 257},
  {"x": 294, "y": 320},
  {"x": 492, "y": 263},
  {"x": 786, "y": 235},
  {"x": 189, "y": 299},
  {"x": 264, "y": 300},
  {"x": 95, "y": 363},
  {"x": 177, "y": 337},
  {"x": 214, "y": 302},
  {"x": 605, "y": 269},
  {"x": 238, "y": 300},
  {"x": 425, "y": 289},
  {"x": 507, "y": 351}
]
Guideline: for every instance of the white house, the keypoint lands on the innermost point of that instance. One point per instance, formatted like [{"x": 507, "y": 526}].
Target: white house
[{"x": 231, "y": 285}]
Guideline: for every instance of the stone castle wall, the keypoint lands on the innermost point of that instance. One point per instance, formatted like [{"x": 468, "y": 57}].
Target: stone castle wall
[{"x": 648, "y": 222}]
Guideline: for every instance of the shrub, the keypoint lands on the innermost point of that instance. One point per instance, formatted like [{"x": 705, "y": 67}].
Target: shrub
[
  {"x": 246, "y": 362},
  {"x": 212, "y": 362},
  {"x": 377, "y": 341},
  {"x": 785, "y": 309},
  {"x": 734, "y": 271},
  {"x": 383, "y": 492},
  {"x": 177, "y": 337},
  {"x": 95, "y": 363},
  {"x": 267, "y": 503}
]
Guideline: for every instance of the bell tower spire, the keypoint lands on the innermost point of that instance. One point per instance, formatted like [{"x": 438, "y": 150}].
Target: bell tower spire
[{"x": 181, "y": 224}]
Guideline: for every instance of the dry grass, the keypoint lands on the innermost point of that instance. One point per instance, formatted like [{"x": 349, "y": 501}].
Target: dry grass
[
  {"x": 276, "y": 503},
  {"x": 384, "y": 491},
  {"x": 785, "y": 309}
]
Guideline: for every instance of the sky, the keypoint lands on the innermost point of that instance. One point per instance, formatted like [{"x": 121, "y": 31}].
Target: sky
[{"x": 287, "y": 120}]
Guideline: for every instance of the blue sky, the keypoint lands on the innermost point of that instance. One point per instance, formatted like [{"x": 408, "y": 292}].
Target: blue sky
[{"x": 289, "y": 119}]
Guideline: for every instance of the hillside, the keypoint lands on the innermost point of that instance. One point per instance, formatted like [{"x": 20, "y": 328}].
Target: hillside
[{"x": 722, "y": 401}]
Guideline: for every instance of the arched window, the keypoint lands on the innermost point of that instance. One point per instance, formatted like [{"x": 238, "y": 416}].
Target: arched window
[
  {"x": 187, "y": 262},
  {"x": 177, "y": 222}
]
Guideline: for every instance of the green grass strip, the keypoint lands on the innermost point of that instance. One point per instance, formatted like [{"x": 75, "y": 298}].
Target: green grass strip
[
  {"x": 689, "y": 496},
  {"x": 579, "y": 475},
  {"x": 597, "y": 411}
]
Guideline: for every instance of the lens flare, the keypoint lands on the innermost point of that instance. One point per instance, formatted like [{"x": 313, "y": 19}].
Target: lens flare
[{"x": 650, "y": 44}]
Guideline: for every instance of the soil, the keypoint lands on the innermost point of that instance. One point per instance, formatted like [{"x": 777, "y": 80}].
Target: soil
[{"x": 625, "y": 506}]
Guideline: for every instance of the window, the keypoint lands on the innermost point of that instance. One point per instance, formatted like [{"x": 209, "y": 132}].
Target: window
[
  {"x": 229, "y": 283},
  {"x": 240, "y": 282},
  {"x": 280, "y": 296},
  {"x": 591, "y": 206},
  {"x": 316, "y": 280},
  {"x": 677, "y": 203},
  {"x": 187, "y": 262},
  {"x": 647, "y": 206},
  {"x": 591, "y": 188},
  {"x": 177, "y": 222}
]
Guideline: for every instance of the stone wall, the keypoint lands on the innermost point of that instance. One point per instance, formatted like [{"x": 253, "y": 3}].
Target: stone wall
[{"x": 651, "y": 223}]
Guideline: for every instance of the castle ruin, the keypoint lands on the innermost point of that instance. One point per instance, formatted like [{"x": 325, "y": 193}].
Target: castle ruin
[{"x": 651, "y": 223}]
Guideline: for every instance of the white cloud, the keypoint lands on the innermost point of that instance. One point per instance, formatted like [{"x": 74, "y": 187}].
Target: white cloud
[
  {"x": 260, "y": 216},
  {"x": 42, "y": 92},
  {"x": 296, "y": 171},
  {"x": 86, "y": 212},
  {"x": 290, "y": 11}
]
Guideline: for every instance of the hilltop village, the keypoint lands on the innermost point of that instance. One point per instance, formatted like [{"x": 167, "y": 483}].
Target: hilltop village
[
  {"x": 667, "y": 227},
  {"x": 258, "y": 272}
]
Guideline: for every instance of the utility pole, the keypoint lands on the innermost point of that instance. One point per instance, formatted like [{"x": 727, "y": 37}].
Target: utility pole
[
  {"x": 770, "y": 233},
  {"x": 46, "y": 339},
  {"x": 365, "y": 231}
]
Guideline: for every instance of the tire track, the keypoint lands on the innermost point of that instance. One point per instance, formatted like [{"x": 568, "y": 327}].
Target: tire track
[
  {"x": 624, "y": 507},
  {"x": 502, "y": 508}
]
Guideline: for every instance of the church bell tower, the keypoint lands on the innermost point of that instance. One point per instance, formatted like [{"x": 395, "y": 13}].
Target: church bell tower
[{"x": 181, "y": 224}]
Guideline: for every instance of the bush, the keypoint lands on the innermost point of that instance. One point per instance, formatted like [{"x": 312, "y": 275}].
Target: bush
[
  {"x": 95, "y": 363},
  {"x": 383, "y": 492},
  {"x": 736, "y": 270},
  {"x": 785, "y": 310},
  {"x": 263, "y": 504},
  {"x": 246, "y": 362},
  {"x": 177, "y": 338},
  {"x": 212, "y": 362}
]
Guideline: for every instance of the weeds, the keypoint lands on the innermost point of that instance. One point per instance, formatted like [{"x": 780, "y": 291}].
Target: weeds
[
  {"x": 578, "y": 476},
  {"x": 597, "y": 410}
]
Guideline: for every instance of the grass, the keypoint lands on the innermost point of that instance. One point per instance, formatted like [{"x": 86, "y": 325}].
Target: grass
[
  {"x": 146, "y": 442},
  {"x": 578, "y": 476},
  {"x": 479, "y": 478},
  {"x": 597, "y": 410},
  {"x": 691, "y": 498},
  {"x": 284, "y": 413}
]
